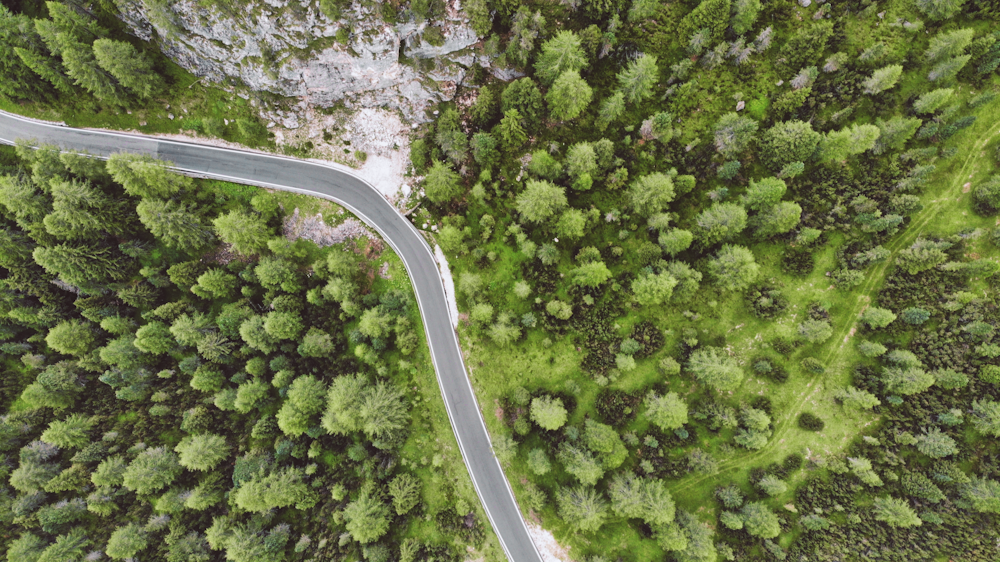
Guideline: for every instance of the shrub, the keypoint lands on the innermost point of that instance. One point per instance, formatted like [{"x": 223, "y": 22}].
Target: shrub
[
  {"x": 797, "y": 260},
  {"x": 812, "y": 365},
  {"x": 811, "y": 422}
]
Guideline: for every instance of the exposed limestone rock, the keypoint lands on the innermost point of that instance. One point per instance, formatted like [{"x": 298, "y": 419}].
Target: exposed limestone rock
[{"x": 288, "y": 48}]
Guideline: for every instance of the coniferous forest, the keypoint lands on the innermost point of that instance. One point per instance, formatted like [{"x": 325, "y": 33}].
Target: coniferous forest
[{"x": 183, "y": 383}]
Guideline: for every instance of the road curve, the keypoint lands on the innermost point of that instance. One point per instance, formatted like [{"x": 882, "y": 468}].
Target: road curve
[{"x": 369, "y": 205}]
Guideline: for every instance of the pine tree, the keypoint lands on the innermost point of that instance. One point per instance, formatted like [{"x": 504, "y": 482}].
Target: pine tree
[
  {"x": 947, "y": 44},
  {"x": 894, "y": 133},
  {"x": 71, "y": 337},
  {"x": 712, "y": 15},
  {"x": 540, "y": 200},
  {"x": 611, "y": 109},
  {"x": 940, "y": 9},
  {"x": 132, "y": 69},
  {"x": 947, "y": 69},
  {"x": 582, "y": 507},
  {"x": 714, "y": 367},
  {"x": 367, "y": 518},
  {"x": 858, "y": 399},
  {"x": 485, "y": 150},
  {"x": 18, "y": 81},
  {"x": 524, "y": 30},
  {"x": 202, "y": 452},
  {"x": 151, "y": 471},
  {"x": 760, "y": 521},
  {"x": 48, "y": 68},
  {"x": 569, "y": 96},
  {"x": 27, "y": 547},
  {"x": 57, "y": 387},
  {"x": 305, "y": 401},
  {"x": 110, "y": 472},
  {"x": 651, "y": 193},
  {"x": 279, "y": 488},
  {"x": 511, "y": 130},
  {"x": 983, "y": 494},
  {"x": 442, "y": 183},
  {"x": 734, "y": 133},
  {"x": 382, "y": 411},
  {"x": 668, "y": 412},
  {"x": 68, "y": 433},
  {"x": 936, "y": 444},
  {"x": 450, "y": 136},
  {"x": 637, "y": 80},
  {"x": 247, "y": 233},
  {"x": 81, "y": 265},
  {"x": 581, "y": 464},
  {"x": 71, "y": 20},
  {"x": 745, "y": 14},
  {"x": 405, "y": 492},
  {"x": 144, "y": 176},
  {"x": 175, "y": 224},
  {"x": 877, "y": 317},
  {"x": 68, "y": 546},
  {"x": 523, "y": 96},
  {"x": 986, "y": 417},
  {"x": 127, "y": 541},
  {"x": 883, "y": 79},
  {"x": 922, "y": 255},
  {"x": 895, "y": 512},
  {"x": 79, "y": 211},
  {"x": 82, "y": 67},
  {"x": 559, "y": 54},
  {"x": 931, "y": 101}
]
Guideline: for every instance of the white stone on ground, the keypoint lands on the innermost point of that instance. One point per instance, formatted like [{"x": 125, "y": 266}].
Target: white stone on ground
[
  {"x": 449, "y": 284},
  {"x": 548, "y": 547}
]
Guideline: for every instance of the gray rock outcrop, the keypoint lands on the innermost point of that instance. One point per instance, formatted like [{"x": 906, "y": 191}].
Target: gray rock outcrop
[{"x": 289, "y": 48}]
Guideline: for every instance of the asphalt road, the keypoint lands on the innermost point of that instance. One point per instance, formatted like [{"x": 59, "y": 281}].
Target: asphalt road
[{"x": 370, "y": 206}]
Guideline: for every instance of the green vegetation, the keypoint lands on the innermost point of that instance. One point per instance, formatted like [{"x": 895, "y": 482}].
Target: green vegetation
[
  {"x": 195, "y": 386},
  {"x": 750, "y": 255},
  {"x": 78, "y": 64}
]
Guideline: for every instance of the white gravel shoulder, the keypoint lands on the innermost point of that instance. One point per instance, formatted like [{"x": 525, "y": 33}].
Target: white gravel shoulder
[
  {"x": 449, "y": 284},
  {"x": 547, "y": 545},
  {"x": 386, "y": 174}
]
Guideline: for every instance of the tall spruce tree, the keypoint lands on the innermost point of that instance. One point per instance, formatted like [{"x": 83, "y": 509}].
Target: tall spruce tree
[{"x": 131, "y": 68}]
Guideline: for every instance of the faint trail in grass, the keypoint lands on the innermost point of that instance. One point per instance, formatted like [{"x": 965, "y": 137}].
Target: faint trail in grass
[{"x": 873, "y": 280}]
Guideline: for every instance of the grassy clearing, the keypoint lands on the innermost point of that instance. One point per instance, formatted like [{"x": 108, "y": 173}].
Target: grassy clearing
[{"x": 538, "y": 362}]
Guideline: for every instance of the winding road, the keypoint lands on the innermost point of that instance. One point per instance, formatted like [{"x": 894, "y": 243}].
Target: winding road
[{"x": 369, "y": 205}]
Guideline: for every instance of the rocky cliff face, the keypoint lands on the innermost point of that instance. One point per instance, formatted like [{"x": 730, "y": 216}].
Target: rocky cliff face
[{"x": 287, "y": 47}]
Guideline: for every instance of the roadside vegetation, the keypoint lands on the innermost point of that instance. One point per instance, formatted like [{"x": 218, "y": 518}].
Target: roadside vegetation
[
  {"x": 181, "y": 382},
  {"x": 728, "y": 274}
]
